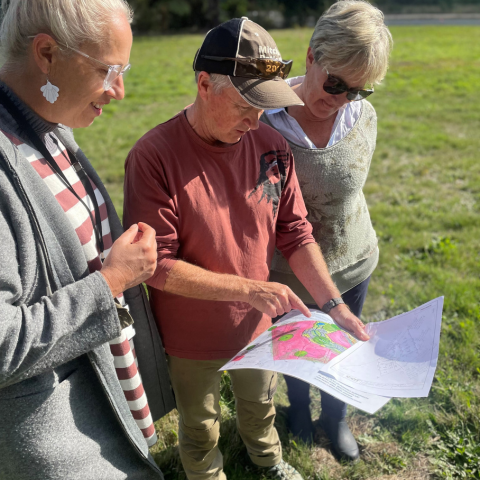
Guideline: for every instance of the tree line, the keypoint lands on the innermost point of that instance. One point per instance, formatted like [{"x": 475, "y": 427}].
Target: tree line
[{"x": 172, "y": 15}]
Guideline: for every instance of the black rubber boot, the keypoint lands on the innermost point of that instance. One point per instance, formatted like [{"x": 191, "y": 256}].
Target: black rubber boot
[
  {"x": 300, "y": 423},
  {"x": 299, "y": 420},
  {"x": 343, "y": 442}
]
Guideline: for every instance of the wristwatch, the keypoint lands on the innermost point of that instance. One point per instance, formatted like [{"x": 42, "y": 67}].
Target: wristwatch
[{"x": 332, "y": 304}]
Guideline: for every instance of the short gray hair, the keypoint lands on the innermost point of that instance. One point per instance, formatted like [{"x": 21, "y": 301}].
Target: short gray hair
[
  {"x": 218, "y": 82},
  {"x": 71, "y": 22},
  {"x": 351, "y": 37}
]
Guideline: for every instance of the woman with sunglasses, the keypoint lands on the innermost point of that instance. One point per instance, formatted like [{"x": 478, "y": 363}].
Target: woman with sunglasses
[
  {"x": 72, "y": 405},
  {"x": 333, "y": 139}
]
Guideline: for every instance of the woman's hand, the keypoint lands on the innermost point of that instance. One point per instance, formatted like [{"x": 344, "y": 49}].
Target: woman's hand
[{"x": 132, "y": 259}]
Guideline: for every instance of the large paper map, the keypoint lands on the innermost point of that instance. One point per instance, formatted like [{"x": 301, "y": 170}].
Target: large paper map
[
  {"x": 399, "y": 360},
  {"x": 310, "y": 343}
]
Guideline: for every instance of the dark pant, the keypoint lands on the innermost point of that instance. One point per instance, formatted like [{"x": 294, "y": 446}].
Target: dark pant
[{"x": 298, "y": 391}]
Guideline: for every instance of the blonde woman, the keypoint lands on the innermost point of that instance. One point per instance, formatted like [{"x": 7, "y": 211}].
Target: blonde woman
[
  {"x": 63, "y": 414},
  {"x": 333, "y": 139}
]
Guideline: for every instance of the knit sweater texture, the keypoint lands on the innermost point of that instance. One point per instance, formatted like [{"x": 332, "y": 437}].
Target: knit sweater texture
[{"x": 332, "y": 181}]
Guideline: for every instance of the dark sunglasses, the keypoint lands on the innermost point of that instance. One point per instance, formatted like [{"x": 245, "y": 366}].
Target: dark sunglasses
[
  {"x": 267, "y": 68},
  {"x": 335, "y": 86}
]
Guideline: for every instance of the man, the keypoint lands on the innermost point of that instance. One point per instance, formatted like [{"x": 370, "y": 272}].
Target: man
[{"x": 221, "y": 191}]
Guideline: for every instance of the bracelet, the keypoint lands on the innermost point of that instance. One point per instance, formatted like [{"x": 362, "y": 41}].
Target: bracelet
[{"x": 334, "y": 302}]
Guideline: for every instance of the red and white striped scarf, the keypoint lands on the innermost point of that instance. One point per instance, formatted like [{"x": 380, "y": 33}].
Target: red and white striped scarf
[{"x": 122, "y": 348}]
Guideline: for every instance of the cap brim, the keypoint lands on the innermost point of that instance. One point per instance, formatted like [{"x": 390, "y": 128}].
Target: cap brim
[{"x": 266, "y": 94}]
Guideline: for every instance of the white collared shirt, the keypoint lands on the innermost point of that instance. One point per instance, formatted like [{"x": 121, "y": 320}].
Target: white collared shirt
[{"x": 292, "y": 131}]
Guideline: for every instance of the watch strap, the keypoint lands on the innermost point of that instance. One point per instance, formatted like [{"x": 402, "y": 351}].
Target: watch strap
[{"x": 332, "y": 304}]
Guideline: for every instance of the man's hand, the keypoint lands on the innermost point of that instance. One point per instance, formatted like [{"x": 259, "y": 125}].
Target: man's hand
[
  {"x": 274, "y": 298},
  {"x": 132, "y": 259},
  {"x": 346, "y": 319}
]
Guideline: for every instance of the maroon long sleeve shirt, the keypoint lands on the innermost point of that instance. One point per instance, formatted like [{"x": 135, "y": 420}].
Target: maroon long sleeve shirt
[{"x": 221, "y": 208}]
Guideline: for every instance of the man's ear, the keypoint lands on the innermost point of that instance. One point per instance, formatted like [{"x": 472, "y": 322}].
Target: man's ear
[
  {"x": 45, "y": 52},
  {"x": 203, "y": 85}
]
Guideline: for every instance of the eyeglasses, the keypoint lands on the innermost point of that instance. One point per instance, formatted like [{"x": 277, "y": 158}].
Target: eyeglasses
[
  {"x": 267, "y": 68},
  {"x": 114, "y": 71},
  {"x": 335, "y": 86}
]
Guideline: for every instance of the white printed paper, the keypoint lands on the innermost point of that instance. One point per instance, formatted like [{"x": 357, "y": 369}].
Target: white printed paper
[
  {"x": 300, "y": 347},
  {"x": 400, "y": 358}
]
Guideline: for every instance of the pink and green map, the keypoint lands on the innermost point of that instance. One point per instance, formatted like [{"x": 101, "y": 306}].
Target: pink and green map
[{"x": 318, "y": 342}]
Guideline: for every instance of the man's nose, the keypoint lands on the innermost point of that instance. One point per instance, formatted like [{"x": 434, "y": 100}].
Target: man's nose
[{"x": 253, "y": 119}]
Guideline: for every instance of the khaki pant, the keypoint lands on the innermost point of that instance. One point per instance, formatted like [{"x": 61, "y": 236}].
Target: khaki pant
[{"x": 196, "y": 384}]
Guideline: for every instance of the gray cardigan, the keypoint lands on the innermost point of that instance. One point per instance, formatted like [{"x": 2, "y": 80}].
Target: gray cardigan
[{"x": 56, "y": 371}]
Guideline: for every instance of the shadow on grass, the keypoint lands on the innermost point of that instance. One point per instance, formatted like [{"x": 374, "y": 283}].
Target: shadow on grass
[
  {"x": 237, "y": 464},
  {"x": 169, "y": 462},
  {"x": 380, "y": 453}
]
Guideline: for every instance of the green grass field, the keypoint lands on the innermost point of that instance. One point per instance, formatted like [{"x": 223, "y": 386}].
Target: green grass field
[{"x": 424, "y": 198}]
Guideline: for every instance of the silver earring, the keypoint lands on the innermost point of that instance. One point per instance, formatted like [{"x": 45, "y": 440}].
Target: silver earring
[{"x": 50, "y": 92}]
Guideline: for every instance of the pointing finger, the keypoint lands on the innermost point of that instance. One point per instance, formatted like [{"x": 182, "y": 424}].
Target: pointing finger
[{"x": 299, "y": 305}]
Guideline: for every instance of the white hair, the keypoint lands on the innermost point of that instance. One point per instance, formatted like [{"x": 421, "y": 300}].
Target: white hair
[
  {"x": 219, "y": 82},
  {"x": 351, "y": 37},
  {"x": 71, "y": 22}
]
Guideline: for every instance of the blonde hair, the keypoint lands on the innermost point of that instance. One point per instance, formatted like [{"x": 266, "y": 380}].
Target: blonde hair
[
  {"x": 71, "y": 22},
  {"x": 352, "y": 38}
]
